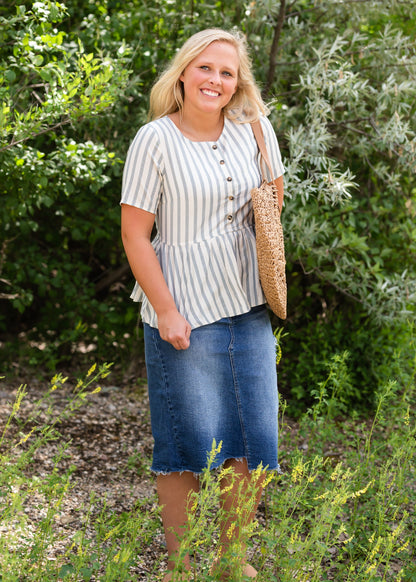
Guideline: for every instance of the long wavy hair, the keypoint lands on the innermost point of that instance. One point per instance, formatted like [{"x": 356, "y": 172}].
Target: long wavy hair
[{"x": 167, "y": 95}]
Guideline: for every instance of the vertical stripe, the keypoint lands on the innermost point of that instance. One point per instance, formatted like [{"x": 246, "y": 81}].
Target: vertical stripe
[{"x": 200, "y": 194}]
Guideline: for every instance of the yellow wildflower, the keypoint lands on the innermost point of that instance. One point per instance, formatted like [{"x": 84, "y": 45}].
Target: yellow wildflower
[
  {"x": 294, "y": 537},
  {"x": 267, "y": 480},
  {"x": 111, "y": 532},
  {"x": 91, "y": 370},
  {"x": 336, "y": 472},
  {"x": 230, "y": 530},
  {"x": 297, "y": 471},
  {"x": 323, "y": 496},
  {"x": 362, "y": 491},
  {"x": 227, "y": 489},
  {"x": 278, "y": 354},
  {"x": 403, "y": 547},
  {"x": 26, "y": 437},
  {"x": 370, "y": 568},
  {"x": 19, "y": 398}
]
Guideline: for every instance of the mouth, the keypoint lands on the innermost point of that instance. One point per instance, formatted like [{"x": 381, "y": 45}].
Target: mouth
[{"x": 210, "y": 93}]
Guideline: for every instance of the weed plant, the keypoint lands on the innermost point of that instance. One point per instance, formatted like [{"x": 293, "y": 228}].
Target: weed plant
[{"x": 343, "y": 508}]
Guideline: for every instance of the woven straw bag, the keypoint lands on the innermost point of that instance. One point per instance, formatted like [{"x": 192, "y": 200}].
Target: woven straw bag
[{"x": 269, "y": 234}]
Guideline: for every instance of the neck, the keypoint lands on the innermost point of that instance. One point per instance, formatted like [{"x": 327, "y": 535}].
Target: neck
[{"x": 199, "y": 128}]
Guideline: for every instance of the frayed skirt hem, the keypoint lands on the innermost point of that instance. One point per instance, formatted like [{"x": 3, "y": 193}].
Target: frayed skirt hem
[{"x": 197, "y": 474}]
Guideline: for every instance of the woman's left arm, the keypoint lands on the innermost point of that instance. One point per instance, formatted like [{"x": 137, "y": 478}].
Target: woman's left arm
[
  {"x": 275, "y": 158},
  {"x": 280, "y": 191}
]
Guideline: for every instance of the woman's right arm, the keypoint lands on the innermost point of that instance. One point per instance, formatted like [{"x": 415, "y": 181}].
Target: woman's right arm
[{"x": 136, "y": 229}]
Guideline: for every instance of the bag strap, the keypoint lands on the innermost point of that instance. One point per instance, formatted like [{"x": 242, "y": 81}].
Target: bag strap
[{"x": 258, "y": 134}]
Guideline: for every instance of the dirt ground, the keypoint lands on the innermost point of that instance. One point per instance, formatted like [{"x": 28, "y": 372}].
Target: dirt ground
[{"x": 110, "y": 444}]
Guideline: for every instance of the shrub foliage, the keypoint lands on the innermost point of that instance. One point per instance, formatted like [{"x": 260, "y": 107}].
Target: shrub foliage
[{"x": 340, "y": 77}]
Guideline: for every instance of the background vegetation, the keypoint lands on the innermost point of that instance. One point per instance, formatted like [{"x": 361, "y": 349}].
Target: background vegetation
[{"x": 74, "y": 86}]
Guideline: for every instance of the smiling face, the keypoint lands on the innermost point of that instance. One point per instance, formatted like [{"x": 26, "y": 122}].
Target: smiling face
[{"x": 210, "y": 80}]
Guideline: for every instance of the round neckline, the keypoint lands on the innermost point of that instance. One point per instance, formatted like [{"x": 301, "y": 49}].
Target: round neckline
[{"x": 198, "y": 141}]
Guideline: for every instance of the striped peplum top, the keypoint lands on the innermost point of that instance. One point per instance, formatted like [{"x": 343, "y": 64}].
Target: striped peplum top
[{"x": 200, "y": 195}]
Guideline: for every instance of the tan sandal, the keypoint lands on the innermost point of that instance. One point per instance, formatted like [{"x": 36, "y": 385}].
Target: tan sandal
[{"x": 248, "y": 571}]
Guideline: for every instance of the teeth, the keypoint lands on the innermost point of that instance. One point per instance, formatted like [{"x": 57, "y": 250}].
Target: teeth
[{"x": 210, "y": 93}]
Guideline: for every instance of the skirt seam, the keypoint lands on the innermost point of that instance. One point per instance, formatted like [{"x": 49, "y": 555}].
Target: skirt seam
[
  {"x": 237, "y": 394},
  {"x": 168, "y": 399}
]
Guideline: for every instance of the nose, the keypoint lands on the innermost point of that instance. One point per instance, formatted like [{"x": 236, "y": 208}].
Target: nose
[{"x": 215, "y": 78}]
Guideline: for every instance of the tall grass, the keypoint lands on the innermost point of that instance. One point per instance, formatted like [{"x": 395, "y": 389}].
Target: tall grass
[{"x": 342, "y": 510}]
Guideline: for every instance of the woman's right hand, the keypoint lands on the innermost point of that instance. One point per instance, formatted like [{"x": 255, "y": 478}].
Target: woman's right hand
[
  {"x": 174, "y": 329},
  {"x": 137, "y": 227}
]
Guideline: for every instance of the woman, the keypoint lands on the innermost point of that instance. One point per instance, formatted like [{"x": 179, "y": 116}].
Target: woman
[{"x": 209, "y": 347}]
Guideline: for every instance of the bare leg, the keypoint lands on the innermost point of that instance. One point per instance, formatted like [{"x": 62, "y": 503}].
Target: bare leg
[
  {"x": 240, "y": 490},
  {"x": 173, "y": 491}
]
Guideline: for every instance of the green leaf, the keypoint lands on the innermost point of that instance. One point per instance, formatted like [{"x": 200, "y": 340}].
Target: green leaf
[
  {"x": 66, "y": 570},
  {"x": 10, "y": 75}
]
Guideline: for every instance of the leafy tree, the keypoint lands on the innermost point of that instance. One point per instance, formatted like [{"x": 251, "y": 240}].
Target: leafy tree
[
  {"x": 346, "y": 106},
  {"x": 52, "y": 179}
]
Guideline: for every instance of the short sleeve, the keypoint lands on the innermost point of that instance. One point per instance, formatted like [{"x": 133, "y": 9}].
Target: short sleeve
[
  {"x": 272, "y": 149},
  {"x": 143, "y": 175}
]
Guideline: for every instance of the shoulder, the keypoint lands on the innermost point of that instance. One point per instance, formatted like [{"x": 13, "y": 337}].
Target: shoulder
[
  {"x": 150, "y": 139},
  {"x": 238, "y": 129},
  {"x": 269, "y": 133},
  {"x": 153, "y": 130},
  {"x": 266, "y": 125},
  {"x": 243, "y": 126}
]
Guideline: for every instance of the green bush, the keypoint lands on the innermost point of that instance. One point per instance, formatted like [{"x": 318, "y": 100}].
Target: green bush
[{"x": 371, "y": 355}]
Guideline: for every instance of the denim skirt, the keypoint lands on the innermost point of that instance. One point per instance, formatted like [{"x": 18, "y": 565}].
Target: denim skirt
[{"x": 223, "y": 387}]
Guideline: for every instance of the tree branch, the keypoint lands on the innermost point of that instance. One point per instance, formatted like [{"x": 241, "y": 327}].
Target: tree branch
[
  {"x": 324, "y": 278},
  {"x": 273, "y": 51},
  {"x": 9, "y": 296},
  {"x": 112, "y": 276},
  {"x": 33, "y": 135}
]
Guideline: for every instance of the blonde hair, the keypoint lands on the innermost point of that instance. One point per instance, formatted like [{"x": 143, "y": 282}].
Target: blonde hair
[{"x": 167, "y": 94}]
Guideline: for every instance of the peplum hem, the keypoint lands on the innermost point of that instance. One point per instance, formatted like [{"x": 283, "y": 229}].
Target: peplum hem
[{"x": 208, "y": 279}]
